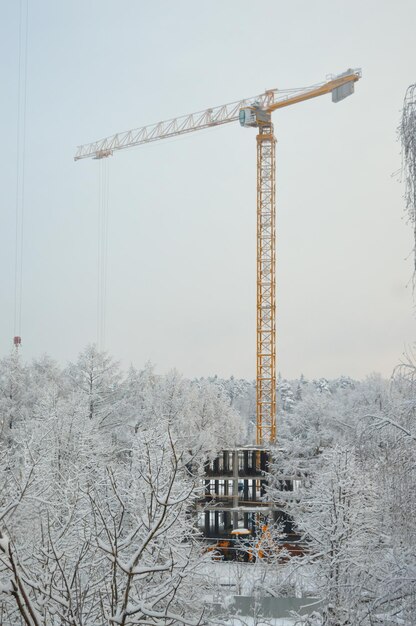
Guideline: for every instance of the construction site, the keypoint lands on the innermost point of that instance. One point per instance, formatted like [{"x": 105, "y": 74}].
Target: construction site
[
  {"x": 207, "y": 385},
  {"x": 235, "y": 498}
]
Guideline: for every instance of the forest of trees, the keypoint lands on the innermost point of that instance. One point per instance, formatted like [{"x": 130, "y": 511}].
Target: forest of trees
[{"x": 99, "y": 470}]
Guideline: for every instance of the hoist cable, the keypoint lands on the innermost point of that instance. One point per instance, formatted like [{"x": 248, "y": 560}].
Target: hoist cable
[
  {"x": 102, "y": 259},
  {"x": 105, "y": 250},
  {"x": 100, "y": 175}
]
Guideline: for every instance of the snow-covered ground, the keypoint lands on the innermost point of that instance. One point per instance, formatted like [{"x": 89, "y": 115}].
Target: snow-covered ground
[
  {"x": 251, "y": 621},
  {"x": 239, "y": 578}
]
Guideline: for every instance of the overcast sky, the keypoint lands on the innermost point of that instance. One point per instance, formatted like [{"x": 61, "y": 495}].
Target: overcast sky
[{"x": 181, "y": 256}]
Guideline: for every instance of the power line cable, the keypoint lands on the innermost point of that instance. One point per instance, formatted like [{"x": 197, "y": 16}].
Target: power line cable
[{"x": 20, "y": 165}]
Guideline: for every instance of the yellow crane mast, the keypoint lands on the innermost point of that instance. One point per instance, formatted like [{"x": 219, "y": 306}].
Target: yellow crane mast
[{"x": 253, "y": 112}]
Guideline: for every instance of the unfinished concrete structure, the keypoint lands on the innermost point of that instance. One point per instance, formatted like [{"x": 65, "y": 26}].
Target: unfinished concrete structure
[{"x": 235, "y": 492}]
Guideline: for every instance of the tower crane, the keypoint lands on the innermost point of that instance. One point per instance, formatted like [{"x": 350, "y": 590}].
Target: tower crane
[{"x": 255, "y": 112}]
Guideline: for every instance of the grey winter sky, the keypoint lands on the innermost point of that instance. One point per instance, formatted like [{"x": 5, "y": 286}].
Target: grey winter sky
[{"x": 181, "y": 257}]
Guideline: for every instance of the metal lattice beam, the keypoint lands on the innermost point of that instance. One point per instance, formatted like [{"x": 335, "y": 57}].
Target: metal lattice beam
[
  {"x": 266, "y": 286},
  {"x": 216, "y": 116}
]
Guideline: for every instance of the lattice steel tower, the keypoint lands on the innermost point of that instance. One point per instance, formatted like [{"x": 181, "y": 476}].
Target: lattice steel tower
[{"x": 266, "y": 285}]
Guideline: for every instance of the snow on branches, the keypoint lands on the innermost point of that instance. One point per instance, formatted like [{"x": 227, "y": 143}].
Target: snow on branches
[{"x": 407, "y": 132}]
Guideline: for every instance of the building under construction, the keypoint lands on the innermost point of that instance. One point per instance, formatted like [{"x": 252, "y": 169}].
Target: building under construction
[{"x": 235, "y": 494}]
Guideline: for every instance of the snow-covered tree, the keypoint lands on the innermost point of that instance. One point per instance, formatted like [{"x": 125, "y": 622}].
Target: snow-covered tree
[
  {"x": 96, "y": 378},
  {"x": 407, "y": 132},
  {"x": 13, "y": 388},
  {"x": 97, "y": 491},
  {"x": 338, "y": 516},
  {"x": 118, "y": 549}
]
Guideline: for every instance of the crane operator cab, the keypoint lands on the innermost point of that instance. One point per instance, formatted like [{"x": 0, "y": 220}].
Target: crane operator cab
[{"x": 253, "y": 116}]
